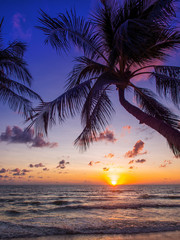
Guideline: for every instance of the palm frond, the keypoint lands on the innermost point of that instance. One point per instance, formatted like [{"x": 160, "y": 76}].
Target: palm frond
[
  {"x": 12, "y": 63},
  {"x": 15, "y": 102},
  {"x": 16, "y": 48},
  {"x": 85, "y": 68},
  {"x": 174, "y": 150},
  {"x": 155, "y": 46},
  {"x": 147, "y": 102},
  {"x": 103, "y": 83},
  {"x": 1, "y": 39},
  {"x": 160, "y": 11},
  {"x": 168, "y": 82},
  {"x": 99, "y": 117},
  {"x": 66, "y": 105},
  {"x": 17, "y": 87},
  {"x": 67, "y": 29},
  {"x": 102, "y": 20}
]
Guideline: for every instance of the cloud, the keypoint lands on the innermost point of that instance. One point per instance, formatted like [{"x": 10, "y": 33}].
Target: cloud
[
  {"x": 91, "y": 163},
  {"x": 62, "y": 164},
  {"x": 110, "y": 155},
  {"x": 130, "y": 162},
  {"x": 107, "y": 135},
  {"x": 19, "y": 172},
  {"x": 1, "y": 176},
  {"x": 37, "y": 165},
  {"x": 38, "y": 141},
  {"x": 165, "y": 163},
  {"x": 45, "y": 169},
  {"x": 140, "y": 161},
  {"x": 19, "y": 28},
  {"x": 131, "y": 167},
  {"x": 105, "y": 169},
  {"x": 3, "y": 170},
  {"x": 17, "y": 135},
  {"x": 125, "y": 129},
  {"x": 26, "y": 170},
  {"x": 138, "y": 147}
]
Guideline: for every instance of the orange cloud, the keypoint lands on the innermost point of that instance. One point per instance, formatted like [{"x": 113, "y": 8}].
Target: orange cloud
[
  {"x": 166, "y": 162},
  {"x": 138, "y": 147},
  {"x": 91, "y": 163},
  {"x": 130, "y": 162},
  {"x": 105, "y": 169},
  {"x": 110, "y": 155}
]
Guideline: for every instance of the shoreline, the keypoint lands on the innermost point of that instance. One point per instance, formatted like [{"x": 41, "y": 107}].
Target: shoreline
[{"x": 169, "y": 235}]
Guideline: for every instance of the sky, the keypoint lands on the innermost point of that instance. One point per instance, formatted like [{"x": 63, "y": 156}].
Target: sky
[{"x": 126, "y": 152}]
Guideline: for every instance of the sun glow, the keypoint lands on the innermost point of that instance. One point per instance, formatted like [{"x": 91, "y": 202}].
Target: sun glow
[{"x": 114, "y": 182}]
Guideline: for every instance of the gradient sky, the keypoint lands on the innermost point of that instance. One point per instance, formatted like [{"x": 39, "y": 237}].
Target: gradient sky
[{"x": 126, "y": 152}]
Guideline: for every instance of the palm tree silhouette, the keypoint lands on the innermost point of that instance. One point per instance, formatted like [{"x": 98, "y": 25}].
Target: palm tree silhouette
[
  {"x": 119, "y": 42},
  {"x": 12, "y": 65}
]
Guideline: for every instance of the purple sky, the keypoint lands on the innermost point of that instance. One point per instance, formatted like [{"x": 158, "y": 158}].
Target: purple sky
[{"x": 123, "y": 141}]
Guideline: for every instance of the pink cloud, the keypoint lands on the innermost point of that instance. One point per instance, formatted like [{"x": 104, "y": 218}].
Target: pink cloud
[
  {"x": 20, "y": 31},
  {"x": 125, "y": 129},
  {"x": 165, "y": 163},
  {"x": 107, "y": 135},
  {"x": 138, "y": 147}
]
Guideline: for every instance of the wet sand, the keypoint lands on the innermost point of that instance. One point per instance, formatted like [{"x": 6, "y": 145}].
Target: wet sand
[{"x": 143, "y": 236}]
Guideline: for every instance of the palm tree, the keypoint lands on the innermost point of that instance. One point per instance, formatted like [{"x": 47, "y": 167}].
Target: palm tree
[
  {"x": 12, "y": 65},
  {"x": 119, "y": 42}
]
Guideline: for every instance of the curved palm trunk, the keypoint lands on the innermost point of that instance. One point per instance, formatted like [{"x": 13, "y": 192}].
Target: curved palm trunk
[{"x": 172, "y": 135}]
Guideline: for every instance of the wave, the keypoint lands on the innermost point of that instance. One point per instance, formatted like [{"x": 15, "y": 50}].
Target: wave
[
  {"x": 149, "y": 196},
  {"x": 114, "y": 206},
  {"x": 10, "y": 230},
  {"x": 13, "y": 213}
]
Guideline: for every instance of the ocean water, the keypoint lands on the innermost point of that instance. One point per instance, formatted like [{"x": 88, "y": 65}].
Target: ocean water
[{"x": 34, "y": 211}]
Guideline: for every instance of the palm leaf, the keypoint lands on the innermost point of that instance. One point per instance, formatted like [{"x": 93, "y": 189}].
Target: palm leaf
[
  {"x": 66, "y": 105},
  {"x": 174, "y": 150},
  {"x": 67, "y": 29},
  {"x": 103, "y": 83},
  {"x": 147, "y": 101},
  {"x": 17, "y": 87},
  {"x": 12, "y": 63},
  {"x": 15, "y": 102},
  {"x": 168, "y": 82},
  {"x": 86, "y": 68},
  {"x": 160, "y": 11},
  {"x": 98, "y": 119}
]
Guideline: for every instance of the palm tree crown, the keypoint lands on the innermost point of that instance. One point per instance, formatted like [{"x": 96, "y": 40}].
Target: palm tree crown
[
  {"x": 119, "y": 42},
  {"x": 12, "y": 65}
]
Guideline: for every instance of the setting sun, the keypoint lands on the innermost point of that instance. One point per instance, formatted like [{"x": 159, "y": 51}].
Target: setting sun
[{"x": 114, "y": 182}]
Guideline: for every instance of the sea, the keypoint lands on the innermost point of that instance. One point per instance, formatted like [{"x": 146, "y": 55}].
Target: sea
[{"x": 32, "y": 211}]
